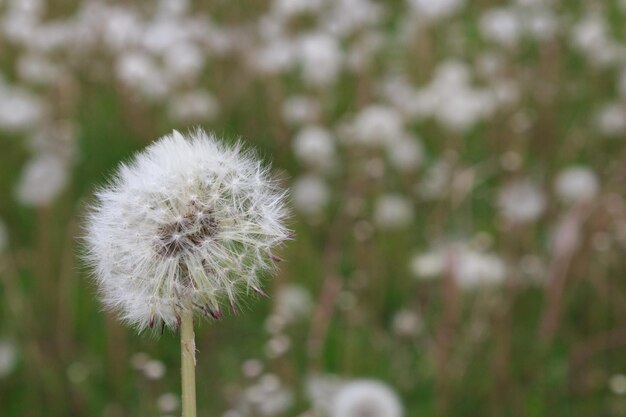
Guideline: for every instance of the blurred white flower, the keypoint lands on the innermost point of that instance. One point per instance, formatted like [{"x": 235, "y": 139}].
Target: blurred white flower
[
  {"x": 406, "y": 154},
  {"x": 320, "y": 58},
  {"x": 154, "y": 369},
  {"x": 376, "y": 126},
  {"x": 300, "y": 110},
  {"x": 428, "y": 265},
  {"x": 393, "y": 212},
  {"x": 168, "y": 402},
  {"x": 269, "y": 397},
  {"x": 590, "y": 36},
  {"x": 19, "y": 109},
  {"x": 193, "y": 106},
  {"x": 183, "y": 62},
  {"x": 521, "y": 201},
  {"x": 501, "y": 25},
  {"x": 273, "y": 57},
  {"x": 173, "y": 8},
  {"x": 437, "y": 181},
  {"x": 346, "y": 17},
  {"x": 407, "y": 323},
  {"x": 435, "y": 10},
  {"x": 470, "y": 267},
  {"x": 321, "y": 390},
  {"x": 187, "y": 225},
  {"x": 291, "y": 8},
  {"x": 43, "y": 178},
  {"x": 8, "y": 357},
  {"x": 252, "y": 368},
  {"x": 310, "y": 195},
  {"x": 277, "y": 346},
  {"x": 315, "y": 146},
  {"x": 576, "y": 183},
  {"x": 452, "y": 101},
  {"x": 617, "y": 384},
  {"x": 293, "y": 302},
  {"x": 366, "y": 397},
  {"x": 140, "y": 73},
  {"x": 611, "y": 119}
]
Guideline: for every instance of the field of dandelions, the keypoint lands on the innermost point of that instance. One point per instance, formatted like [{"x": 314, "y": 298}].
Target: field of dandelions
[{"x": 457, "y": 180}]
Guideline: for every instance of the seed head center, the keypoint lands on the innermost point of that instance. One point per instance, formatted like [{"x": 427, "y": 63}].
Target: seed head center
[{"x": 187, "y": 233}]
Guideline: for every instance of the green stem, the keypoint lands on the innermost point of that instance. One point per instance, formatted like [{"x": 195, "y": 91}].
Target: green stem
[{"x": 188, "y": 364}]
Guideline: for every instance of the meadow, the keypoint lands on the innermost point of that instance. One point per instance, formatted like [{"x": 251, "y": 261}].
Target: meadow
[{"x": 457, "y": 180}]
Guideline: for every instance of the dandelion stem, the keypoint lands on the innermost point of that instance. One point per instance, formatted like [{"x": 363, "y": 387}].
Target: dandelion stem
[{"x": 188, "y": 364}]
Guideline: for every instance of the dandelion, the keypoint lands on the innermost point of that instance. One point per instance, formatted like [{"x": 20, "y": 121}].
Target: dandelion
[
  {"x": 44, "y": 177},
  {"x": 310, "y": 195},
  {"x": 472, "y": 267},
  {"x": 192, "y": 106},
  {"x": 407, "y": 324},
  {"x": 366, "y": 398},
  {"x": 576, "y": 183},
  {"x": 521, "y": 201},
  {"x": 8, "y": 357},
  {"x": 393, "y": 212},
  {"x": 187, "y": 226},
  {"x": 315, "y": 147}
]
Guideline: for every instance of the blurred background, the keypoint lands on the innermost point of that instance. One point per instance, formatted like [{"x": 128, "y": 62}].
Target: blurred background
[{"x": 457, "y": 172}]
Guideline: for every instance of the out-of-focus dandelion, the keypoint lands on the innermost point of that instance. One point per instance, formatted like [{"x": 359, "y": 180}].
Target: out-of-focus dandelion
[
  {"x": 577, "y": 183},
  {"x": 521, "y": 202},
  {"x": 366, "y": 397},
  {"x": 393, "y": 212},
  {"x": 471, "y": 266},
  {"x": 310, "y": 195},
  {"x": 43, "y": 178},
  {"x": 407, "y": 324},
  {"x": 8, "y": 357},
  {"x": 185, "y": 227},
  {"x": 315, "y": 147}
]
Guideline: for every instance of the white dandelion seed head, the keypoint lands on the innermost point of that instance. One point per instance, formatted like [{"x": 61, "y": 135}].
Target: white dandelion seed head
[
  {"x": 310, "y": 195},
  {"x": 293, "y": 303},
  {"x": 521, "y": 201},
  {"x": 407, "y": 323},
  {"x": 193, "y": 106},
  {"x": 611, "y": 119},
  {"x": 393, "y": 212},
  {"x": 320, "y": 57},
  {"x": 8, "y": 357},
  {"x": 376, "y": 126},
  {"x": 315, "y": 146},
  {"x": 501, "y": 25},
  {"x": 366, "y": 398},
  {"x": 576, "y": 183},
  {"x": 44, "y": 177},
  {"x": 188, "y": 224},
  {"x": 471, "y": 267},
  {"x": 406, "y": 154},
  {"x": 435, "y": 10},
  {"x": 20, "y": 110},
  {"x": 300, "y": 109}
]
